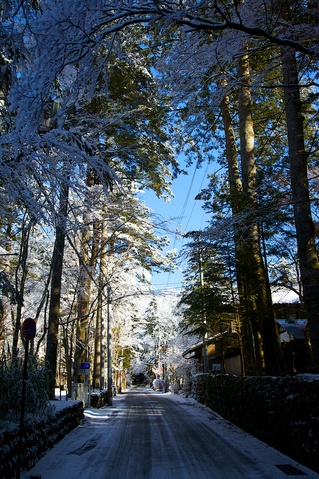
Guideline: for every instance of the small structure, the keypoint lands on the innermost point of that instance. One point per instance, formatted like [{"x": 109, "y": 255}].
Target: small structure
[{"x": 224, "y": 355}]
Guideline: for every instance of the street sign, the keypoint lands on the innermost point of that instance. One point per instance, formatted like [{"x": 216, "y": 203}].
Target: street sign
[
  {"x": 28, "y": 329},
  {"x": 84, "y": 369},
  {"x": 85, "y": 366}
]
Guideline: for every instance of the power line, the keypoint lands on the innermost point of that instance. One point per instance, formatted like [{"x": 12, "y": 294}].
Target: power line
[
  {"x": 181, "y": 216},
  {"x": 200, "y": 187}
]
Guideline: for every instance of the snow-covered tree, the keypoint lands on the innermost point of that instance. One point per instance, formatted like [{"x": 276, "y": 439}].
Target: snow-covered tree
[{"x": 87, "y": 58}]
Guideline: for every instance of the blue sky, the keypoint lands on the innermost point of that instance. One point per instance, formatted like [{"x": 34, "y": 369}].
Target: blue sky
[{"x": 182, "y": 214}]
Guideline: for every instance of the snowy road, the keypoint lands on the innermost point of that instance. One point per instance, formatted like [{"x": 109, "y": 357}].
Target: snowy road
[{"x": 149, "y": 435}]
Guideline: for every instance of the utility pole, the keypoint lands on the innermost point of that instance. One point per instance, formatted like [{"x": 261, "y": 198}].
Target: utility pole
[
  {"x": 101, "y": 352},
  {"x": 201, "y": 279},
  {"x": 109, "y": 355}
]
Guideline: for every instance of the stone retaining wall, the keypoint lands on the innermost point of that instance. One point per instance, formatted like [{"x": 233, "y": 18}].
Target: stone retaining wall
[
  {"x": 283, "y": 412},
  {"x": 39, "y": 436}
]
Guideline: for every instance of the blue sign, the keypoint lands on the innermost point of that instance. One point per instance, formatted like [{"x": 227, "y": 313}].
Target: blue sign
[{"x": 85, "y": 366}]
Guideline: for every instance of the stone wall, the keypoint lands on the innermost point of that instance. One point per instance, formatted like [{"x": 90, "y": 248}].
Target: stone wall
[
  {"x": 39, "y": 436},
  {"x": 283, "y": 412},
  {"x": 98, "y": 400}
]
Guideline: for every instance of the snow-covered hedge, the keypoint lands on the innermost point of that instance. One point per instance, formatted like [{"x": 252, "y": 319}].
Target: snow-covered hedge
[
  {"x": 283, "y": 412},
  {"x": 40, "y": 434},
  {"x": 37, "y": 385},
  {"x": 98, "y": 399}
]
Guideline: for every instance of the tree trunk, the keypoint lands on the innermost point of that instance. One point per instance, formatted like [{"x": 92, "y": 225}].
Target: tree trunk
[
  {"x": 88, "y": 257},
  {"x": 305, "y": 230},
  {"x": 98, "y": 347},
  {"x": 236, "y": 193},
  {"x": 269, "y": 357},
  {"x": 249, "y": 326},
  {"x": 68, "y": 361},
  {"x": 261, "y": 345},
  {"x": 83, "y": 302},
  {"x": 20, "y": 284},
  {"x": 56, "y": 281},
  {"x": 98, "y": 370}
]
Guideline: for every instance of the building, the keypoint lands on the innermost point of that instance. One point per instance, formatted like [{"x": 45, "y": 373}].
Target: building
[{"x": 224, "y": 354}]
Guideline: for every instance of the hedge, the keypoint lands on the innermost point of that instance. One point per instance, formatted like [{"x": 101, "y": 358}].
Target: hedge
[
  {"x": 40, "y": 434},
  {"x": 281, "y": 411}
]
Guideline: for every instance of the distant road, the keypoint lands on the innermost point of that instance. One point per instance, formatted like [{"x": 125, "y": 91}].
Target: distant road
[{"x": 150, "y": 435}]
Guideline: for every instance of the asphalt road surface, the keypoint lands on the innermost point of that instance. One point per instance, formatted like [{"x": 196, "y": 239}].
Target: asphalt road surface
[{"x": 150, "y": 435}]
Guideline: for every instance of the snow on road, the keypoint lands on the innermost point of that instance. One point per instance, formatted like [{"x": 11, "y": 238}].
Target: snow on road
[{"x": 151, "y": 435}]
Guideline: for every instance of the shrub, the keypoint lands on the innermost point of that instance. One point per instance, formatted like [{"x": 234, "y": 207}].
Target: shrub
[{"x": 37, "y": 385}]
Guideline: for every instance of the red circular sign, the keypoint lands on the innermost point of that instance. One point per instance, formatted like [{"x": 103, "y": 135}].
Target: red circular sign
[{"x": 28, "y": 329}]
